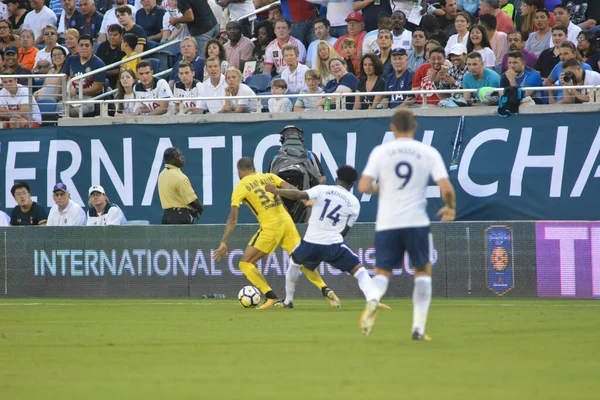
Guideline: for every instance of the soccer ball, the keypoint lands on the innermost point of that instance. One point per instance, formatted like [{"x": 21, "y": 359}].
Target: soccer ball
[{"x": 249, "y": 296}]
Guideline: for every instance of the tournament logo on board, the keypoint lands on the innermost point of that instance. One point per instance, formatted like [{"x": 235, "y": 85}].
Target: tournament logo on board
[{"x": 499, "y": 259}]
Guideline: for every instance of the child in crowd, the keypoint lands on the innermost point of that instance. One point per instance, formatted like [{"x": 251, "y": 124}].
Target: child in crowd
[
  {"x": 278, "y": 87},
  {"x": 128, "y": 47},
  {"x": 170, "y": 32},
  {"x": 349, "y": 48}
]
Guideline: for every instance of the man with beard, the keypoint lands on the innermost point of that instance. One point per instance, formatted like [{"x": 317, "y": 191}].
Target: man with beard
[
  {"x": 453, "y": 78},
  {"x": 402, "y": 37},
  {"x": 428, "y": 76},
  {"x": 239, "y": 48},
  {"x": 478, "y": 77},
  {"x": 540, "y": 40},
  {"x": 516, "y": 43},
  {"x": 522, "y": 76}
]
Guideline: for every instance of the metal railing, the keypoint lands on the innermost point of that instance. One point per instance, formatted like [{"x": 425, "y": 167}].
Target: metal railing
[{"x": 258, "y": 11}]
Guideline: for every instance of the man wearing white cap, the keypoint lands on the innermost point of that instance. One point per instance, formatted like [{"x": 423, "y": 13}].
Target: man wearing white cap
[
  {"x": 65, "y": 212},
  {"x": 102, "y": 212},
  {"x": 452, "y": 77}
]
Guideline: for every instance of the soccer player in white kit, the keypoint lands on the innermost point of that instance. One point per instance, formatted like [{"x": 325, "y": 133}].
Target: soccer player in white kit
[
  {"x": 334, "y": 211},
  {"x": 402, "y": 168}
]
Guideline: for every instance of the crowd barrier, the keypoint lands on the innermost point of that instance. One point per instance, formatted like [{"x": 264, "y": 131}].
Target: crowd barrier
[{"x": 471, "y": 259}]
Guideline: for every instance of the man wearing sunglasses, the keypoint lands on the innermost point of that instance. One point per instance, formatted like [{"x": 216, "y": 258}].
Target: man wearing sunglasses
[{"x": 43, "y": 58}]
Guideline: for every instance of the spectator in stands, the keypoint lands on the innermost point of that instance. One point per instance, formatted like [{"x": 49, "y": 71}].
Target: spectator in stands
[
  {"x": 447, "y": 21},
  {"x": 498, "y": 39},
  {"x": 325, "y": 52},
  {"x": 337, "y": 11},
  {"x": 529, "y": 9},
  {"x": 322, "y": 31},
  {"x": 11, "y": 61},
  {"x": 509, "y": 8},
  {"x": 400, "y": 80},
  {"x": 237, "y": 9},
  {"x": 520, "y": 75},
  {"x": 478, "y": 77},
  {"x": 402, "y": 37},
  {"x": 18, "y": 10},
  {"x": 28, "y": 51},
  {"x": 312, "y": 77},
  {"x": 492, "y": 7},
  {"x": 550, "y": 57},
  {"x": 273, "y": 56},
  {"x": 452, "y": 78},
  {"x": 235, "y": 87},
  {"x": 342, "y": 82},
  {"x": 70, "y": 18},
  {"x": 264, "y": 34},
  {"x": 56, "y": 7},
  {"x": 563, "y": 18},
  {"x": 369, "y": 45},
  {"x": 126, "y": 83},
  {"x": 65, "y": 212},
  {"x": 574, "y": 75},
  {"x": 15, "y": 108},
  {"x": 384, "y": 43},
  {"x": 350, "y": 53},
  {"x": 128, "y": 45},
  {"x": 4, "y": 219},
  {"x": 356, "y": 31},
  {"x": 479, "y": 42},
  {"x": 213, "y": 87},
  {"x": 93, "y": 19},
  {"x": 80, "y": 64},
  {"x": 71, "y": 38},
  {"x": 302, "y": 15},
  {"x": 540, "y": 40},
  {"x": 7, "y": 37},
  {"x": 52, "y": 88},
  {"x": 173, "y": 32},
  {"x": 584, "y": 13},
  {"x": 27, "y": 212},
  {"x": 200, "y": 20},
  {"x": 152, "y": 90},
  {"x": 462, "y": 22},
  {"x": 588, "y": 48},
  {"x": 238, "y": 48},
  {"x": 43, "y": 58},
  {"x": 370, "y": 10},
  {"x": 189, "y": 52},
  {"x": 214, "y": 48},
  {"x": 125, "y": 18},
  {"x": 430, "y": 45},
  {"x": 416, "y": 56},
  {"x": 110, "y": 18},
  {"x": 294, "y": 72},
  {"x": 469, "y": 6},
  {"x": 515, "y": 43},
  {"x": 110, "y": 52},
  {"x": 431, "y": 26},
  {"x": 39, "y": 17},
  {"x": 427, "y": 75},
  {"x": 283, "y": 104},
  {"x": 188, "y": 86},
  {"x": 371, "y": 80},
  {"x": 567, "y": 52},
  {"x": 275, "y": 13},
  {"x": 150, "y": 18},
  {"x": 102, "y": 212}
]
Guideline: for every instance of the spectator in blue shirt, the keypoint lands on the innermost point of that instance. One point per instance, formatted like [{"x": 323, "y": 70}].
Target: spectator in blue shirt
[
  {"x": 150, "y": 17},
  {"x": 93, "y": 19},
  {"x": 189, "y": 51},
  {"x": 399, "y": 80},
  {"x": 522, "y": 76},
  {"x": 478, "y": 77},
  {"x": 342, "y": 82}
]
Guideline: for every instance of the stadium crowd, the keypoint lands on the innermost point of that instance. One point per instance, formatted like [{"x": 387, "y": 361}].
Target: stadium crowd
[{"x": 296, "y": 47}]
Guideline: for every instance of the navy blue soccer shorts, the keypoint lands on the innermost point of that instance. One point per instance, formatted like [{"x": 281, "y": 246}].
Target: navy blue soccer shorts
[
  {"x": 338, "y": 255},
  {"x": 390, "y": 246}
]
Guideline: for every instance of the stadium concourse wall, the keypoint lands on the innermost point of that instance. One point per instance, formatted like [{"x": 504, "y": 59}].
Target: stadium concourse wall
[
  {"x": 540, "y": 165},
  {"x": 471, "y": 259}
]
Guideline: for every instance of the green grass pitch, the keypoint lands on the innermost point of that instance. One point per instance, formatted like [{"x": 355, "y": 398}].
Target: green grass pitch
[{"x": 214, "y": 349}]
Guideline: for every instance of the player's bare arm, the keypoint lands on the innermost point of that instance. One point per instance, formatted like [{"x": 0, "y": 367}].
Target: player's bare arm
[
  {"x": 367, "y": 185},
  {"x": 229, "y": 227},
  {"x": 345, "y": 231},
  {"x": 293, "y": 194},
  {"x": 448, "y": 212}
]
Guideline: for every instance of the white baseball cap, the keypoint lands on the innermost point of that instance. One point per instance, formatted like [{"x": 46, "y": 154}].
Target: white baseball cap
[
  {"x": 458, "y": 49},
  {"x": 96, "y": 188}
]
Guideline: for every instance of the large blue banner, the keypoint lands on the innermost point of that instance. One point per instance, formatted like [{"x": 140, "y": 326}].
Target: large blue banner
[{"x": 525, "y": 167}]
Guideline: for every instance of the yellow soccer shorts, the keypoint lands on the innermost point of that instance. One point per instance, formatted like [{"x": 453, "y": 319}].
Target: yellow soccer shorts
[{"x": 268, "y": 238}]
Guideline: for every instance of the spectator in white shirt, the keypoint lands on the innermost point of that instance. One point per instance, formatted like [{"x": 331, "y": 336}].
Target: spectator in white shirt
[
  {"x": 237, "y": 9},
  {"x": 17, "y": 107},
  {"x": 562, "y": 17},
  {"x": 293, "y": 74},
  {"x": 214, "y": 86},
  {"x": 43, "y": 58},
  {"x": 322, "y": 31},
  {"x": 235, "y": 88},
  {"x": 37, "y": 18},
  {"x": 110, "y": 18},
  {"x": 102, "y": 212},
  {"x": 65, "y": 212},
  {"x": 283, "y": 104}
]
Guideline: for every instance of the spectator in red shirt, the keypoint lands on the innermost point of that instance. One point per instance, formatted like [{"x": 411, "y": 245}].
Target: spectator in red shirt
[
  {"x": 428, "y": 76},
  {"x": 503, "y": 22},
  {"x": 356, "y": 31},
  {"x": 302, "y": 15}
]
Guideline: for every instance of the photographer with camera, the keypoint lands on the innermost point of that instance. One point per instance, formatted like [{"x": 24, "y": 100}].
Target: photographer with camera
[
  {"x": 574, "y": 75},
  {"x": 177, "y": 197}
]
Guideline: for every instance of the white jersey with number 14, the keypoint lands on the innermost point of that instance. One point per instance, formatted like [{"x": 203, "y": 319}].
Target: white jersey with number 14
[
  {"x": 402, "y": 168},
  {"x": 334, "y": 208}
]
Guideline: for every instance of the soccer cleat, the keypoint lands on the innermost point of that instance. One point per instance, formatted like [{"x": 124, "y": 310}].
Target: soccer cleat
[
  {"x": 288, "y": 305},
  {"x": 367, "y": 319},
  {"x": 384, "y": 307},
  {"x": 270, "y": 303},
  {"x": 424, "y": 337},
  {"x": 331, "y": 297}
]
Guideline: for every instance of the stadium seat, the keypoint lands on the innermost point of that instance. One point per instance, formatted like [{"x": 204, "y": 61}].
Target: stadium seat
[
  {"x": 264, "y": 101},
  {"x": 40, "y": 46},
  {"x": 96, "y": 45},
  {"x": 259, "y": 83},
  {"x": 171, "y": 54},
  {"x": 155, "y": 62},
  {"x": 293, "y": 99},
  {"x": 48, "y": 109}
]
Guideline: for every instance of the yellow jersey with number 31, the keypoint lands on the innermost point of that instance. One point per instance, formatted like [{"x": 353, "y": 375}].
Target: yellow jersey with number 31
[{"x": 267, "y": 207}]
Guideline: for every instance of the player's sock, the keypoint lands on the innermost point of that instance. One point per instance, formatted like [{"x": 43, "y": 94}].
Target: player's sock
[
  {"x": 254, "y": 276},
  {"x": 291, "y": 277},
  {"x": 379, "y": 285},
  {"x": 314, "y": 277},
  {"x": 421, "y": 302},
  {"x": 364, "y": 280}
]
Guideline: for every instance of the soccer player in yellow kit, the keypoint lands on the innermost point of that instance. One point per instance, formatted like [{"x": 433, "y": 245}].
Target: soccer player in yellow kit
[{"x": 276, "y": 229}]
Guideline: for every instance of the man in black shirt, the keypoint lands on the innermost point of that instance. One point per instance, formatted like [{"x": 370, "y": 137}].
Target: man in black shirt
[
  {"x": 200, "y": 20},
  {"x": 110, "y": 52},
  {"x": 150, "y": 17},
  {"x": 26, "y": 212},
  {"x": 585, "y": 13},
  {"x": 125, "y": 17},
  {"x": 370, "y": 11},
  {"x": 93, "y": 19},
  {"x": 446, "y": 21},
  {"x": 550, "y": 57}
]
